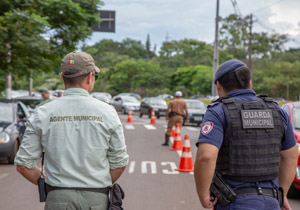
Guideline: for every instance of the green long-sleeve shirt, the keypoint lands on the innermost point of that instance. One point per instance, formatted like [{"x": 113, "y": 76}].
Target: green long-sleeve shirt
[{"x": 82, "y": 138}]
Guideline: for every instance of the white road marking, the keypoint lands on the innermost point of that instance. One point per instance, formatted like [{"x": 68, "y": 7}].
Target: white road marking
[
  {"x": 3, "y": 175},
  {"x": 129, "y": 127},
  {"x": 131, "y": 167},
  {"x": 150, "y": 127},
  {"x": 193, "y": 129},
  {"x": 152, "y": 166},
  {"x": 172, "y": 165}
]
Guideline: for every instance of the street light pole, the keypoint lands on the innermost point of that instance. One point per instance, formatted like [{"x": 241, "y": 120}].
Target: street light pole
[{"x": 216, "y": 54}]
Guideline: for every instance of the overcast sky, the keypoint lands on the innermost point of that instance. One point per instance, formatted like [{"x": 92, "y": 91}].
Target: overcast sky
[{"x": 195, "y": 19}]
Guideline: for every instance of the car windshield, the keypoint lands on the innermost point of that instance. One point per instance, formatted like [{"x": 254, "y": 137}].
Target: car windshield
[
  {"x": 296, "y": 118},
  {"x": 31, "y": 103},
  {"x": 6, "y": 112},
  {"x": 130, "y": 99},
  {"x": 195, "y": 105},
  {"x": 157, "y": 101}
]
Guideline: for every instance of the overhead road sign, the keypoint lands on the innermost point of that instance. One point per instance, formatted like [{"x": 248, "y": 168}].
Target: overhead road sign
[{"x": 108, "y": 22}]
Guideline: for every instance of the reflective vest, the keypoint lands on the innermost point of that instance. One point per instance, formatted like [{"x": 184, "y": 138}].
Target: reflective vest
[{"x": 252, "y": 141}]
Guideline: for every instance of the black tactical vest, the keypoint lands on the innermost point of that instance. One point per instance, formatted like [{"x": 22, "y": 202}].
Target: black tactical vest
[{"x": 252, "y": 140}]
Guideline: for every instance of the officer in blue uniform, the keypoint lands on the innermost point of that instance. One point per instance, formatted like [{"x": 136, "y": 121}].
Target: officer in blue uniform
[{"x": 247, "y": 139}]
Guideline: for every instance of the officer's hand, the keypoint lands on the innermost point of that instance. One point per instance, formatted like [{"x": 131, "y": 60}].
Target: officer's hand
[
  {"x": 286, "y": 205},
  {"x": 206, "y": 203},
  {"x": 167, "y": 118},
  {"x": 187, "y": 121}
]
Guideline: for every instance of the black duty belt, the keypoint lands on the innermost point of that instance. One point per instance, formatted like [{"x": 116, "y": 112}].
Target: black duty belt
[
  {"x": 257, "y": 191},
  {"x": 105, "y": 190}
]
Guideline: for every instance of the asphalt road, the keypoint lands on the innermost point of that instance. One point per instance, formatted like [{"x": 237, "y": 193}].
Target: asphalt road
[{"x": 149, "y": 182}]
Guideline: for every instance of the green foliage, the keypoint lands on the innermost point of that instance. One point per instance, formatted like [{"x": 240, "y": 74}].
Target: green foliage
[
  {"x": 192, "y": 80},
  {"x": 185, "y": 53},
  {"x": 274, "y": 77},
  {"x": 34, "y": 34},
  {"x": 234, "y": 38},
  {"x": 136, "y": 76},
  {"x": 107, "y": 53}
]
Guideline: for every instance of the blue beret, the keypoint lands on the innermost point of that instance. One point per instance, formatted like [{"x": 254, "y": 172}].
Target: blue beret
[{"x": 227, "y": 67}]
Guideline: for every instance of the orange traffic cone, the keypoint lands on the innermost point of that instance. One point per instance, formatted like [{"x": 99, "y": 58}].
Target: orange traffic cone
[
  {"x": 129, "y": 117},
  {"x": 177, "y": 145},
  {"x": 186, "y": 162},
  {"x": 172, "y": 134},
  {"x": 153, "y": 120}
]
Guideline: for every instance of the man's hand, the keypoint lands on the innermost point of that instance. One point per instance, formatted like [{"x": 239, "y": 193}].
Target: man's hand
[
  {"x": 206, "y": 203},
  {"x": 286, "y": 205},
  {"x": 187, "y": 120}
]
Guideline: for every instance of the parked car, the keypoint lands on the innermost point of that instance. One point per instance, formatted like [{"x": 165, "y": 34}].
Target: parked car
[
  {"x": 165, "y": 96},
  {"x": 13, "y": 115},
  {"x": 196, "y": 109},
  {"x": 157, "y": 104},
  {"x": 198, "y": 97},
  {"x": 135, "y": 95},
  {"x": 125, "y": 103},
  {"x": 293, "y": 111},
  {"x": 31, "y": 102},
  {"x": 102, "y": 96}
]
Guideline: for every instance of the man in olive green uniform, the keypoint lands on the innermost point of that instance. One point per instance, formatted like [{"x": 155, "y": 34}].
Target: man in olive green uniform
[
  {"x": 47, "y": 97},
  {"x": 177, "y": 108},
  {"x": 82, "y": 138}
]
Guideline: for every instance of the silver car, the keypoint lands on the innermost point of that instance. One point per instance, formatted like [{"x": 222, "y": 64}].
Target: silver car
[{"x": 125, "y": 103}]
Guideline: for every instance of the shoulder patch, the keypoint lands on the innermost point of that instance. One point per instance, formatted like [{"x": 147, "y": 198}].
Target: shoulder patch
[
  {"x": 212, "y": 104},
  {"x": 207, "y": 127}
]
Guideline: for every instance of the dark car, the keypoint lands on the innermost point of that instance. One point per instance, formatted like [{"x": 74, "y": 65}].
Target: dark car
[
  {"x": 196, "y": 109},
  {"x": 157, "y": 104},
  {"x": 125, "y": 103},
  {"x": 293, "y": 111},
  {"x": 31, "y": 102},
  {"x": 13, "y": 115}
]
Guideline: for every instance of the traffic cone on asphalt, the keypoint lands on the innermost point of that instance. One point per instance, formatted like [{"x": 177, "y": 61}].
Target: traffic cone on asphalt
[
  {"x": 153, "y": 120},
  {"x": 129, "y": 117},
  {"x": 177, "y": 144},
  {"x": 186, "y": 162},
  {"x": 172, "y": 134}
]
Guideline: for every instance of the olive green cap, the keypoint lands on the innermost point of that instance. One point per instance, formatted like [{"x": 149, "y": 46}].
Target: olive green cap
[{"x": 78, "y": 63}]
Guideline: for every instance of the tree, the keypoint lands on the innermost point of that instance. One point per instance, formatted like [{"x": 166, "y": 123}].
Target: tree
[
  {"x": 185, "y": 52},
  {"x": 137, "y": 76},
  {"x": 194, "y": 79},
  {"x": 107, "y": 52},
  {"x": 273, "y": 78},
  {"x": 234, "y": 38},
  {"x": 34, "y": 34}
]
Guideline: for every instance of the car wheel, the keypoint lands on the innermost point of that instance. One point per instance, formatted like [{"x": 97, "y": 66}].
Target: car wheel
[
  {"x": 141, "y": 115},
  {"x": 158, "y": 116},
  {"x": 198, "y": 124},
  {"x": 293, "y": 192},
  {"x": 11, "y": 158},
  {"x": 123, "y": 110}
]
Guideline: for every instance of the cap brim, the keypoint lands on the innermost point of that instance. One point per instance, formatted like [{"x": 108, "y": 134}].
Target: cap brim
[{"x": 97, "y": 69}]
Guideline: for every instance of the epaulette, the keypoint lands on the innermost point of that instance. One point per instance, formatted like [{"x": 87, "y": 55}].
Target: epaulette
[
  {"x": 266, "y": 98},
  {"x": 212, "y": 104}
]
